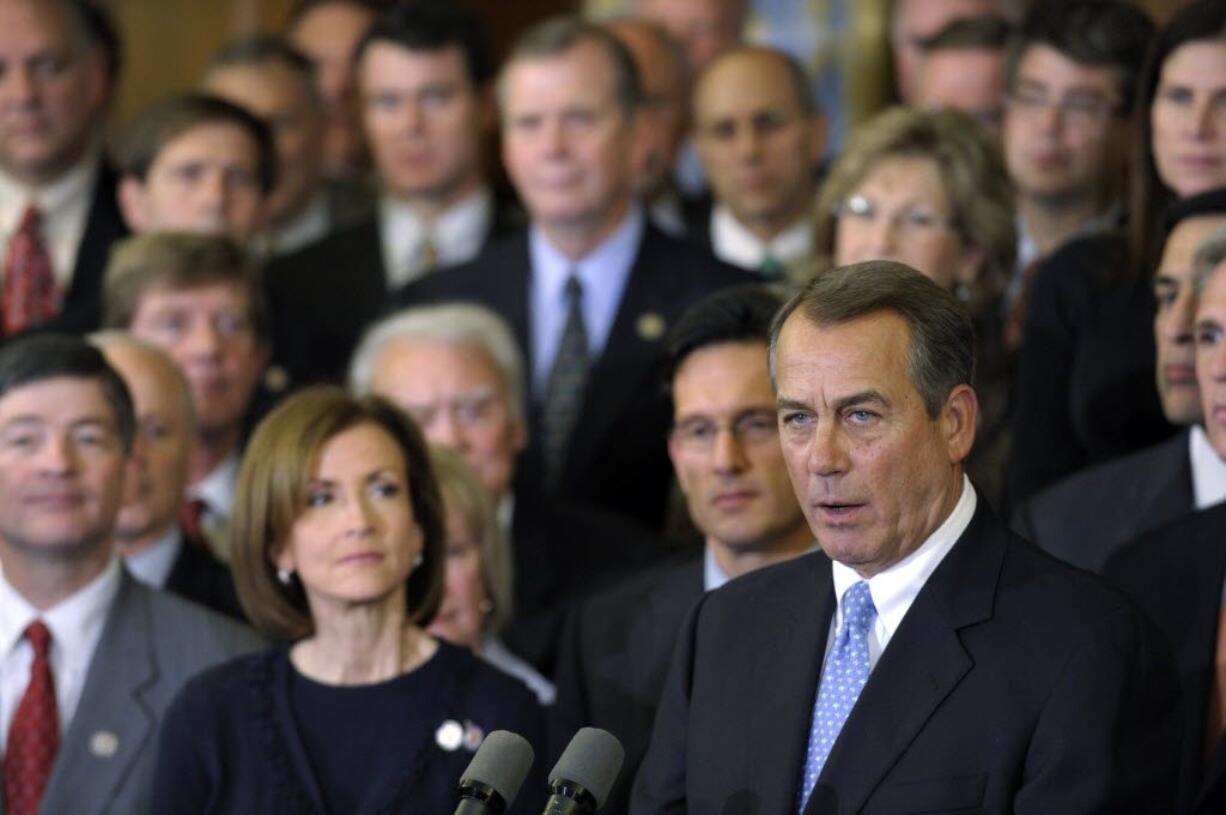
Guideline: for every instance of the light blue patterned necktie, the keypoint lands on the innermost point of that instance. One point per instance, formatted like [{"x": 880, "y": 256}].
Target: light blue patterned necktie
[{"x": 846, "y": 671}]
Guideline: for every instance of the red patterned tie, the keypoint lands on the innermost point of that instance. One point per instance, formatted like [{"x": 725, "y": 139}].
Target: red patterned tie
[
  {"x": 29, "y": 282},
  {"x": 34, "y": 735}
]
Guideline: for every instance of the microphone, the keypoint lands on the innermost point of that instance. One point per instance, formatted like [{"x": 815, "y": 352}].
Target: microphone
[
  {"x": 495, "y": 774},
  {"x": 583, "y": 777}
]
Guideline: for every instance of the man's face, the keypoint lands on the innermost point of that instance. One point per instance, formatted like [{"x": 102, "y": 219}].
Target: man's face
[
  {"x": 205, "y": 180},
  {"x": 157, "y": 468},
  {"x": 971, "y": 80},
  {"x": 1061, "y": 134},
  {"x": 568, "y": 145},
  {"x": 917, "y": 20},
  {"x": 1211, "y": 357},
  {"x": 1174, "y": 330},
  {"x": 208, "y": 332},
  {"x": 52, "y": 87},
  {"x": 61, "y": 469},
  {"x": 277, "y": 94},
  {"x": 460, "y": 401},
  {"x": 875, "y": 475},
  {"x": 706, "y": 28},
  {"x": 757, "y": 142},
  {"x": 328, "y": 35},
  {"x": 725, "y": 448},
  {"x": 664, "y": 99},
  {"x": 423, "y": 119}
]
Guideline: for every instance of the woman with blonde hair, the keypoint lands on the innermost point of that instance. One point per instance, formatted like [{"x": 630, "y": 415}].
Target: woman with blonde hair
[{"x": 338, "y": 554}]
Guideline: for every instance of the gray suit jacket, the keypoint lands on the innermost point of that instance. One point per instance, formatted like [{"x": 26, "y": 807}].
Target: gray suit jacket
[
  {"x": 1084, "y": 518},
  {"x": 151, "y": 644}
]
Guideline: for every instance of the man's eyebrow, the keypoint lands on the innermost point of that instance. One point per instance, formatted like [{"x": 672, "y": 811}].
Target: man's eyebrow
[
  {"x": 861, "y": 398},
  {"x": 787, "y": 403}
]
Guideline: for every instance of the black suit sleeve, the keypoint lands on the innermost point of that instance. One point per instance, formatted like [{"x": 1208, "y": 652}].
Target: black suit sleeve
[
  {"x": 1108, "y": 739},
  {"x": 660, "y": 786}
]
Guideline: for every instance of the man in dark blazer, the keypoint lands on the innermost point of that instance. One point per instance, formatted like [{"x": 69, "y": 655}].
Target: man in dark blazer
[
  {"x": 591, "y": 275},
  {"x": 424, "y": 77},
  {"x": 726, "y": 455},
  {"x": 926, "y": 659},
  {"x": 1177, "y": 573},
  {"x": 94, "y": 656},
  {"x": 1083, "y": 518},
  {"x": 155, "y": 549},
  {"x": 56, "y": 169}
]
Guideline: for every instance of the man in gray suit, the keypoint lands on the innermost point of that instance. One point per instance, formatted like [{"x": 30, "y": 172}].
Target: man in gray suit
[{"x": 89, "y": 658}]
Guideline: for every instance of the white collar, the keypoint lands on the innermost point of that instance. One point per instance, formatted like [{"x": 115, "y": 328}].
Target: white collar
[
  {"x": 1208, "y": 469},
  {"x": 458, "y": 233},
  {"x": 153, "y": 564},
  {"x": 73, "y": 186},
  {"x": 75, "y": 622},
  {"x": 217, "y": 488},
  {"x": 307, "y": 227},
  {"x": 894, "y": 589},
  {"x": 733, "y": 243}
]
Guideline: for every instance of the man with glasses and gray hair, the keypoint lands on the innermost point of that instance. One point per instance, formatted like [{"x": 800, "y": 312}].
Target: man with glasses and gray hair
[{"x": 457, "y": 370}]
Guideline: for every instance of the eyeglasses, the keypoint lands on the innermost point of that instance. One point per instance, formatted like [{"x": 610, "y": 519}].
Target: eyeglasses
[
  {"x": 467, "y": 410},
  {"x": 1078, "y": 109},
  {"x": 914, "y": 218},
  {"x": 752, "y": 427}
]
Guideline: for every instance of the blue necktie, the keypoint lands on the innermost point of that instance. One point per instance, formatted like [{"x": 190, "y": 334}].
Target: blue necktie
[{"x": 846, "y": 671}]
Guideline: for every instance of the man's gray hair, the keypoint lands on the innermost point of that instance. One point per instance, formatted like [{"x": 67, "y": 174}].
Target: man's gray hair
[
  {"x": 1209, "y": 255},
  {"x": 463, "y": 324},
  {"x": 942, "y": 350}
]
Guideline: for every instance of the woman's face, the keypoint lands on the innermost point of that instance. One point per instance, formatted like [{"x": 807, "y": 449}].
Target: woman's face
[
  {"x": 1188, "y": 118},
  {"x": 355, "y": 540},
  {"x": 900, "y": 211},
  {"x": 461, "y": 617}
]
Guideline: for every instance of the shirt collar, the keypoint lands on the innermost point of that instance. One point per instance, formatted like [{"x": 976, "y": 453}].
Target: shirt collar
[
  {"x": 153, "y": 564},
  {"x": 310, "y": 225},
  {"x": 1208, "y": 470},
  {"x": 217, "y": 488},
  {"x": 894, "y": 589},
  {"x": 713, "y": 576},
  {"x": 74, "y": 621},
  {"x": 70, "y": 189},
  {"x": 615, "y": 255},
  {"x": 734, "y": 243},
  {"x": 457, "y": 233}
]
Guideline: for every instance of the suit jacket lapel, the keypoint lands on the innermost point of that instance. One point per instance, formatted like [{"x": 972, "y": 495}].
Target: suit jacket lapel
[
  {"x": 630, "y": 353},
  {"x": 1174, "y": 496},
  {"x": 922, "y": 664},
  {"x": 795, "y": 628},
  {"x": 113, "y": 723}
]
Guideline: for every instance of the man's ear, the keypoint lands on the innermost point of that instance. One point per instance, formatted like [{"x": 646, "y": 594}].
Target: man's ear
[{"x": 958, "y": 420}]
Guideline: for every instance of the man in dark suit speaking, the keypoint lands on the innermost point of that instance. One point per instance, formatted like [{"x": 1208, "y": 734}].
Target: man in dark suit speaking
[{"x": 926, "y": 660}]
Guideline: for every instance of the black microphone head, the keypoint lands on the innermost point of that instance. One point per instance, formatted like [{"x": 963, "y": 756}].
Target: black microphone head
[
  {"x": 502, "y": 762},
  {"x": 592, "y": 759}
]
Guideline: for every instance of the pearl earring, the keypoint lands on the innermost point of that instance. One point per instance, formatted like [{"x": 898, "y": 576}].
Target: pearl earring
[{"x": 285, "y": 576}]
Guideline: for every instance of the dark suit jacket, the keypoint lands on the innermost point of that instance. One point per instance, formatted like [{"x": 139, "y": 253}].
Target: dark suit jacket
[
  {"x": 1085, "y": 517},
  {"x": 81, "y": 311},
  {"x": 1085, "y": 390},
  {"x": 617, "y": 458},
  {"x": 1015, "y": 683},
  {"x": 1176, "y": 574},
  {"x": 198, "y": 576},
  {"x": 151, "y": 644},
  {"x": 231, "y": 743},
  {"x": 562, "y": 553},
  {"x": 323, "y": 296},
  {"x": 614, "y": 658}
]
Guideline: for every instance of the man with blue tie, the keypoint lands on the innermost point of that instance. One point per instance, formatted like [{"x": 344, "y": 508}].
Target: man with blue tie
[{"x": 926, "y": 660}]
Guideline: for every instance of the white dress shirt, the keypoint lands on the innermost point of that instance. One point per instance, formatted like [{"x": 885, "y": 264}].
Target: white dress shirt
[
  {"x": 1208, "y": 470},
  {"x": 76, "y": 626},
  {"x": 457, "y": 235},
  {"x": 894, "y": 589},
  {"x": 64, "y": 207},
  {"x": 153, "y": 564},
  {"x": 217, "y": 491},
  {"x": 733, "y": 243},
  {"x": 603, "y": 272}
]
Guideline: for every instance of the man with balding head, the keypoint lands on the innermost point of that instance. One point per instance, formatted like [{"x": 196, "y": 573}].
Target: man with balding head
[
  {"x": 58, "y": 214},
  {"x": 155, "y": 549},
  {"x": 914, "y": 21},
  {"x": 760, "y": 139}
]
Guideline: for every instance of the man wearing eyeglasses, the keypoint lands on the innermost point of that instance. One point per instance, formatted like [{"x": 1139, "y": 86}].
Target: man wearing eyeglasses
[
  {"x": 1071, "y": 79},
  {"x": 726, "y": 454},
  {"x": 760, "y": 139}
]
